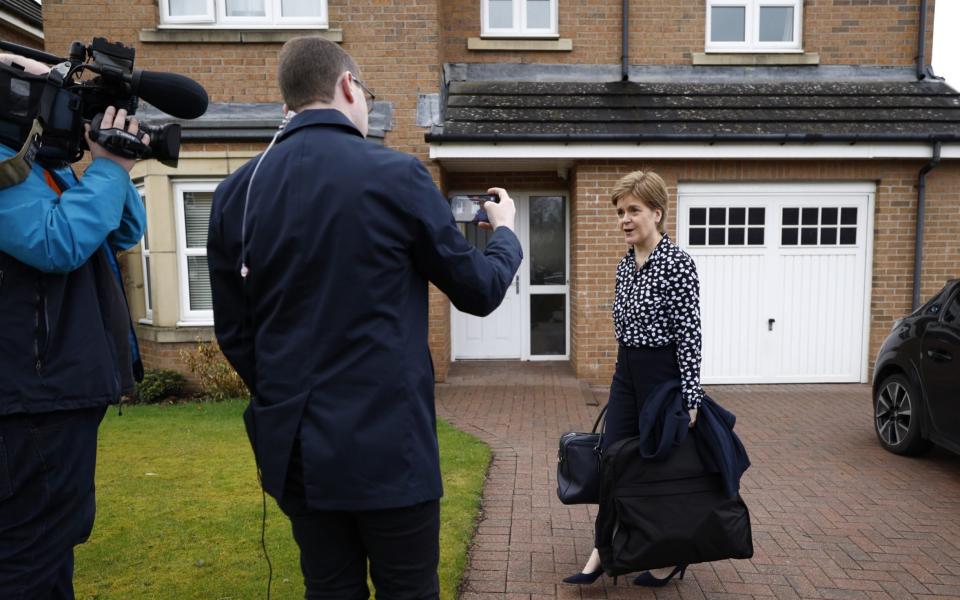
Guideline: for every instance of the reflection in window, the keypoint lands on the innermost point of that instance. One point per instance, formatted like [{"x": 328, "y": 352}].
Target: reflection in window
[
  {"x": 548, "y": 240},
  {"x": 548, "y": 327}
]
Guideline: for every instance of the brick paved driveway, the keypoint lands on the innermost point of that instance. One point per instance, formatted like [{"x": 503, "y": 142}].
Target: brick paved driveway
[{"x": 833, "y": 515}]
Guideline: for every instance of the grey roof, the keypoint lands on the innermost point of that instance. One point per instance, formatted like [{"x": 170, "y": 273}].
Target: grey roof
[
  {"x": 716, "y": 109},
  {"x": 28, "y": 10},
  {"x": 232, "y": 121}
]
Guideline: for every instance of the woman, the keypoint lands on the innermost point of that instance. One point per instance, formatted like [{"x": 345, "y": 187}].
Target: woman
[{"x": 656, "y": 318}]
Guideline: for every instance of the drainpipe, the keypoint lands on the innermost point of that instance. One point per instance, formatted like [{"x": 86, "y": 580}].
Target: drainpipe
[
  {"x": 921, "y": 210},
  {"x": 923, "y": 71},
  {"x": 624, "y": 37}
]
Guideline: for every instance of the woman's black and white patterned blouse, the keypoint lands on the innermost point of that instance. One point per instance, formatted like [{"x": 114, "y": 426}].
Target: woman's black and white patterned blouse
[{"x": 659, "y": 304}]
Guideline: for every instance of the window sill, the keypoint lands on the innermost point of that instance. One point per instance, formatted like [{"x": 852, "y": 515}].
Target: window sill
[
  {"x": 754, "y": 59},
  {"x": 175, "y": 335},
  {"x": 561, "y": 45},
  {"x": 233, "y": 36}
]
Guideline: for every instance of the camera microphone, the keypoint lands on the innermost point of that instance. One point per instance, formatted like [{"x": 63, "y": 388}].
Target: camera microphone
[{"x": 174, "y": 94}]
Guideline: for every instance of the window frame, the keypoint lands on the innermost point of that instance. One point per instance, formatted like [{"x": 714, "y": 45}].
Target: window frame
[
  {"x": 188, "y": 316},
  {"x": 144, "y": 257},
  {"x": 216, "y": 18},
  {"x": 752, "y": 43},
  {"x": 520, "y": 29}
]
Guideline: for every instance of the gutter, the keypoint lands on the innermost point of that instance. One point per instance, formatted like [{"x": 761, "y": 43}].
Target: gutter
[
  {"x": 781, "y": 138},
  {"x": 624, "y": 38},
  {"x": 921, "y": 214}
]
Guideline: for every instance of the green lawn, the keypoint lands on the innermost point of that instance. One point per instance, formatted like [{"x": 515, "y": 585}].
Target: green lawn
[{"x": 179, "y": 510}]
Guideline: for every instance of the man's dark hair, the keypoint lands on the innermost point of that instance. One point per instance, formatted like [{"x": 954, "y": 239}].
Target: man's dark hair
[{"x": 309, "y": 68}]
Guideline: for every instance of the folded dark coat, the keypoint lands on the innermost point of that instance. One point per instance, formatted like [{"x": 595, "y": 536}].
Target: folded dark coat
[{"x": 664, "y": 424}]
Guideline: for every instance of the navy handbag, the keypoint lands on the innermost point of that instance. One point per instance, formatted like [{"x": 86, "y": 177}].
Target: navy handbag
[{"x": 578, "y": 465}]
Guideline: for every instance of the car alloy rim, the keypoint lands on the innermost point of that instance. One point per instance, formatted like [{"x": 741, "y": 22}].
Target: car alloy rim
[{"x": 894, "y": 412}]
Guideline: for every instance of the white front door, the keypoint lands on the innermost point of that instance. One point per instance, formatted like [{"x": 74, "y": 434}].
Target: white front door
[
  {"x": 532, "y": 323},
  {"x": 784, "y": 279}
]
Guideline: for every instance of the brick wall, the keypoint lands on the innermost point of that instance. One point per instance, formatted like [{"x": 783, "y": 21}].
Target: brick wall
[
  {"x": 156, "y": 355},
  {"x": 863, "y": 32},
  {"x": 598, "y": 246}
]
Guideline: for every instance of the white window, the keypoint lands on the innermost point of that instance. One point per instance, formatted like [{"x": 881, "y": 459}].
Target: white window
[
  {"x": 519, "y": 18},
  {"x": 145, "y": 263},
  {"x": 754, "y": 25},
  {"x": 193, "y": 202},
  {"x": 243, "y": 14}
]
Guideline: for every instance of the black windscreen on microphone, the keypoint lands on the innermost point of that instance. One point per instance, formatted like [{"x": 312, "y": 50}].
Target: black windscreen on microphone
[{"x": 174, "y": 94}]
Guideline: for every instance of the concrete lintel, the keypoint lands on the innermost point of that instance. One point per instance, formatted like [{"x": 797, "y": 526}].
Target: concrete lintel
[
  {"x": 561, "y": 45},
  {"x": 235, "y": 36}
]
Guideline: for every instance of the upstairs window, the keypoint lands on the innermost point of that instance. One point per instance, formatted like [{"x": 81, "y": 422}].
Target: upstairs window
[
  {"x": 519, "y": 18},
  {"x": 754, "y": 25},
  {"x": 243, "y": 14}
]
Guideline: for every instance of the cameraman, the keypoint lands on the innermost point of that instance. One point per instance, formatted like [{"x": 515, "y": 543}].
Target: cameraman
[
  {"x": 319, "y": 276},
  {"x": 66, "y": 352}
]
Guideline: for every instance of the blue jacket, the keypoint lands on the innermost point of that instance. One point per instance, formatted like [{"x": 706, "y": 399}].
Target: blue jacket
[
  {"x": 664, "y": 423},
  {"x": 329, "y": 330},
  {"x": 64, "y": 324}
]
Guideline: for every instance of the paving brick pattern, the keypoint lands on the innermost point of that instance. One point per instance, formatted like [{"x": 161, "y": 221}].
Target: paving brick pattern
[{"x": 834, "y": 516}]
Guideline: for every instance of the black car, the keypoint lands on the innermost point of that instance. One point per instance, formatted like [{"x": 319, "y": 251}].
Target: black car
[{"x": 916, "y": 381}]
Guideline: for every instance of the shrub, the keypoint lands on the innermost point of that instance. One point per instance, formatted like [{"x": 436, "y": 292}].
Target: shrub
[
  {"x": 217, "y": 379},
  {"x": 159, "y": 384}
]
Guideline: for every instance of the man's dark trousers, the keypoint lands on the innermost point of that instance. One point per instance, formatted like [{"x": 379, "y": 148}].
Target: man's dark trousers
[
  {"x": 402, "y": 545},
  {"x": 47, "y": 464}
]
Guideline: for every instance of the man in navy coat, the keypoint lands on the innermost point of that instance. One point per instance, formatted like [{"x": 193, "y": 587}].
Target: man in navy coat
[{"x": 319, "y": 275}]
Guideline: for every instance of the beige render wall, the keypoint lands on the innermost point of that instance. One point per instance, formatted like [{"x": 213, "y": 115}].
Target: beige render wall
[
  {"x": 598, "y": 247},
  {"x": 847, "y": 32}
]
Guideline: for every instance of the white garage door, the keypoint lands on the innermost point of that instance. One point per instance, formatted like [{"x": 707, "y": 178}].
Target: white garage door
[{"x": 784, "y": 279}]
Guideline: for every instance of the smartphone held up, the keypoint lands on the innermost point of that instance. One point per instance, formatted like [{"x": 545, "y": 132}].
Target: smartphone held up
[{"x": 468, "y": 208}]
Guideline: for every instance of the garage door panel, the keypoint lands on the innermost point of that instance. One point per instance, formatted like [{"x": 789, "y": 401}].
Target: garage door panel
[
  {"x": 731, "y": 341},
  {"x": 818, "y": 328}
]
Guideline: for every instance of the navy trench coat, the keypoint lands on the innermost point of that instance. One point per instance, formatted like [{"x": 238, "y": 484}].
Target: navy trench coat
[{"x": 329, "y": 329}]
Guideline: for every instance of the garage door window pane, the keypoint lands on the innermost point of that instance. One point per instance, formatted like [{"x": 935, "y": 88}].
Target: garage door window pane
[
  {"x": 718, "y": 216},
  {"x": 809, "y": 216},
  {"x": 738, "y": 216},
  {"x": 828, "y": 236},
  {"x": 728, "y": 23},
  {"x": 776, "y": 23},
  {"x": 717, "y": 237},
  {"x": 848, "y": 235},
  {"x": 755, "y": 236},
  {"x": 791, "y": 216},
  {"x": 808, "y": 236},
  {"x": 698, "y": 216},
  {"x": 757, "y": 216},
  {"x": 698, "y": 236},
  {"x": 848, "y": 216},
  {"x": 788, "y": 237},
  {"x": 735, "y": 236},
  {"x": 828, "y": 216},
  {"x": 548, "y": 324}
]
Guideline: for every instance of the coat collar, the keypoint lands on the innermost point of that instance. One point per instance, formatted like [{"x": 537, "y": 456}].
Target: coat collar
[{"x": 319, "y": 117}]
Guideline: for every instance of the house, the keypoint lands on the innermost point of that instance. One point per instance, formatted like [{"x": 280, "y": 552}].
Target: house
[
  {"x": 21, "y": 23},
  {"x": 812, "y": 158}
]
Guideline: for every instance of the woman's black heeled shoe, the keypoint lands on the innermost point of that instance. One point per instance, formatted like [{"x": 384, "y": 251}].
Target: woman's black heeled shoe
[
  {"x": 584, "y": 578},
  {"x": 647, "y": 579}
]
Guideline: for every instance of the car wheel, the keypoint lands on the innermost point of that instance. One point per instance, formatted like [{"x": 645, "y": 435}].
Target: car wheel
[{"x": 896, "y": 416}]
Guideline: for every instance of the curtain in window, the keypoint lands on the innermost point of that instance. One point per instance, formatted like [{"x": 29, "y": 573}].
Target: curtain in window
[
  {"x": 300, "y": 8},
  {"x": 183, "y": 8},
  {"x": 245, "y": 8}
]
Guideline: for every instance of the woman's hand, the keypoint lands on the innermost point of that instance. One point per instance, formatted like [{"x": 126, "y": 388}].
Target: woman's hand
[{"x": 693, "y": 416}]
